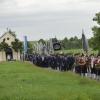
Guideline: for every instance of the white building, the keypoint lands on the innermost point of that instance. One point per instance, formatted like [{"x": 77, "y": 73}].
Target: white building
[{"x": 8, "y": 37}]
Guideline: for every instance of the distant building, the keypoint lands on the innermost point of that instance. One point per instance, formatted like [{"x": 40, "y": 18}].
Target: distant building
[{"x": 9, "y": 37}]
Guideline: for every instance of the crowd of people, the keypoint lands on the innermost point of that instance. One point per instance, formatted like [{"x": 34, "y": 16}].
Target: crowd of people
[
  {"x": 81, "y": 64},
  {"x": 88, "y": 65},
  {"x": 56, "y": 62}
]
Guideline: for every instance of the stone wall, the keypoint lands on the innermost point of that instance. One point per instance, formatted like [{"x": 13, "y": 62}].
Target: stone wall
[
  {"x": 16, "y": 56},
  {"x": 2, "y": 56},
  {"x": 8, "y": 38}
]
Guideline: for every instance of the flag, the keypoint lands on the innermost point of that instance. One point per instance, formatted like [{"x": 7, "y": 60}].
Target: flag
[
  {"x": 84, "y": 42},
  {"x": 51, "y": 49},
  {"x": 25, "y": 45}
]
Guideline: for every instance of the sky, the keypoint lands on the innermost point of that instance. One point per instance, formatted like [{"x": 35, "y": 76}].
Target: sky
[{"x": 48, "y": 18}]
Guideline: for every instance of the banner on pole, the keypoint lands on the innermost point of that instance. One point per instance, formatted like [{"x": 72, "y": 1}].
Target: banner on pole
[{"x": 25, "y": 45}]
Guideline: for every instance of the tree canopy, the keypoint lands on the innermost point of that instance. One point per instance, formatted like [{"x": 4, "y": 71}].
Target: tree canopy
[
  {"x": 17, "y": 45},
  {"x": 96, "y": 32},
  {"x": 72, "y": 43},
  {"x": 3, "y": 46}
]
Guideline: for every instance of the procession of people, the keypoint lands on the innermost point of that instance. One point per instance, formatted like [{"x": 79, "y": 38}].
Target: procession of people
[{"x": 84, "y": 65}]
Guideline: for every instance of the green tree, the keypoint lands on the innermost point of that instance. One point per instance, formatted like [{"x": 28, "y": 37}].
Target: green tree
[
  {"x": 71, "y": 39},
  {"x": 30, "y": 48},
  {"x": 72, "y": 43},
  {"x": 17, "y": 46},
  {"x": 96, "y": 33},
  {"x": 3, "y": 47},
  {"x": 42, "y": 41},
  {"x": 64, "y": 43},
  {"x": 91, "y": 43}
]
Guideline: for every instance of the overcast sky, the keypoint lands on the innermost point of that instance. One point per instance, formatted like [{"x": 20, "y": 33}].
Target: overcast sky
[{"x": 48, "y": 18}]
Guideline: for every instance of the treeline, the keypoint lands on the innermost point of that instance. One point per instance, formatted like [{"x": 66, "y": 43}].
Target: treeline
[
  {"x": 72, "y": 43},
  {"x": 75, "y": 43}
]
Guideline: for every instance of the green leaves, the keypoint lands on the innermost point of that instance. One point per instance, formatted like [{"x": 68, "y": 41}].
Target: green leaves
[
  {"x": 17, "y": 45},
  {"x": 72, "y": 43},
  {"x": 30, "y": 48},
  {"x": 3, "y": 46},
  {"x": 96, "y": 32},
  {"x": 97, "y": 18}
]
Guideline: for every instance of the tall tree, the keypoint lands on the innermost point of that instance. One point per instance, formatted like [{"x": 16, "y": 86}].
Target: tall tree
[
  {"x": 96, "y": 32},
  {"x": 30, "y": 48},
  {"x": 72, "y": 43},
  {"x": 3, "y": 47},
  {"x": 17, "y": 46},
  {"x": 64, "y": 43},
  {"x": 42, "y": 41}
]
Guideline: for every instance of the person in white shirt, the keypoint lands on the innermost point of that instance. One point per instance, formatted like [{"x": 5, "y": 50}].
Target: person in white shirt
[
  {"x": 8, "y": 57},
  {"x": 93, "y": 59}
]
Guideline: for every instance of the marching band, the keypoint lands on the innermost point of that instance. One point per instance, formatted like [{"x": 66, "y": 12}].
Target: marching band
[{"x": 81, "y": 64}]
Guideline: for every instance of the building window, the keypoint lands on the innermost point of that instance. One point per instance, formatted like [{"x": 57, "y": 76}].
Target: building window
[{"x": 8, "y": 38}]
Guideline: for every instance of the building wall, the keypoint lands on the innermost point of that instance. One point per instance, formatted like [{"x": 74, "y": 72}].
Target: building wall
[
  {"x": 2, "y": 56},
  {"x": 16, "y": 56},
  {"x": 8, "y": 38}
]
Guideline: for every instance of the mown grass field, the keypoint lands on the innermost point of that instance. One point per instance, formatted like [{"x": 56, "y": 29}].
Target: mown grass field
[{"x": 24, "y": 81}]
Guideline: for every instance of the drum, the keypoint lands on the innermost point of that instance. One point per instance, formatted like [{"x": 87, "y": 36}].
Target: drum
[{"x": 57, "y": 46}]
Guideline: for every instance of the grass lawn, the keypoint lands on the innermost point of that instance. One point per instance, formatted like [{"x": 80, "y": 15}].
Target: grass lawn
[{"x": 24, "y": 81}]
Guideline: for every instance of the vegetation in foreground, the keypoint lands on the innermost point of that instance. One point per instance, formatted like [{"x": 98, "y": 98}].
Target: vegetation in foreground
[{"x": 24, "y": 81}]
